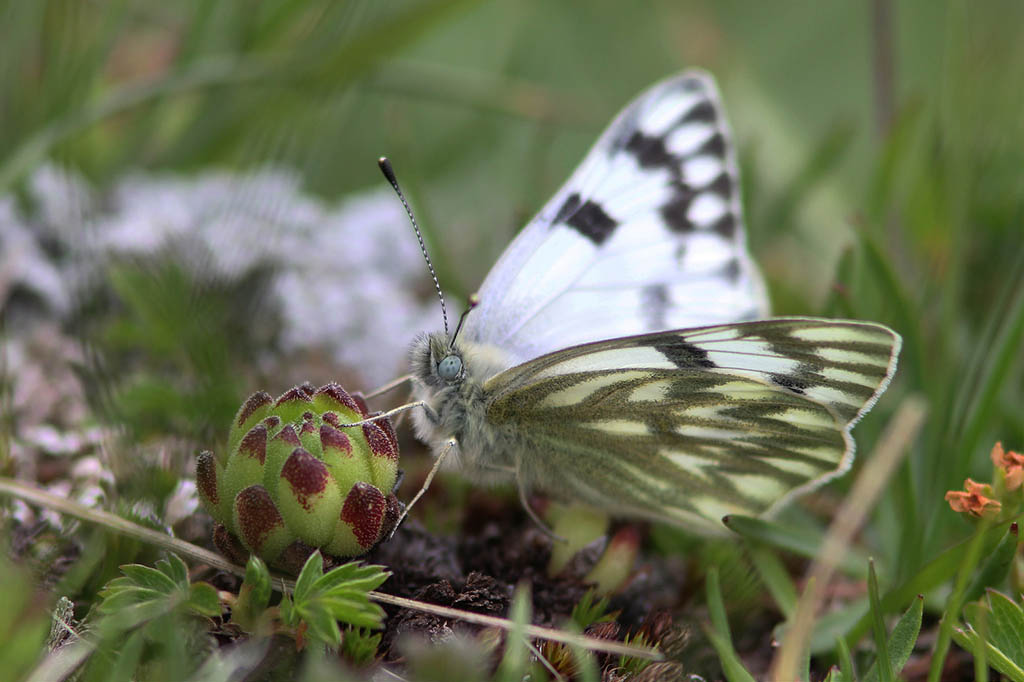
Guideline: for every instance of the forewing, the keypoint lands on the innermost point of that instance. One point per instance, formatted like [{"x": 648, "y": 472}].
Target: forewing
[
  {"x": 691, "y": 425},
  {"x": 646, "y": 235}
]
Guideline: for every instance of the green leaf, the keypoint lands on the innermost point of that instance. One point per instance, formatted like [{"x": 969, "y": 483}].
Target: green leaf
[
  {"x": 776, "y": 579},
  {"x": 342, "y": 594},
  {"x": 312, "y": 571},
  {"x": 587, "y": 611},
  {"x": 976, "y": 644},
  {"x": 716, "y": 607},
  {"x": 321, "y": 625},
  {"x": 516, "y": 660},
  {"x": 835, "y": 675},
  {"x": 937, "y": 572},
  {"x": 359, "y": 646},
  {"x": 129, "y": 654},
  {"x": 352, "y": 576},
  {"x": 732, "y": 667},
  {"x": 845, "y": 660},
  {"x": 586, "y": 662},
  {"x": 202, "y": 599},
  {"x": 878, "y": 626},
  {"x": 1005, "y": 626},
  {"x": 253, "y": 596},
  {"x": 995, "y": 568},
  {"x": 144, "y": 593},
  {"x": 900, "y": 644},
  {"x": 719, "y": 634},
  {"x": 143, "y": 577},
  {"x": 174, "y": 568}
]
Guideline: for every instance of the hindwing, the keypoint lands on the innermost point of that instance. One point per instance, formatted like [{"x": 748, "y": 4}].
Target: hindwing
[{"x": 690, "y": 425}]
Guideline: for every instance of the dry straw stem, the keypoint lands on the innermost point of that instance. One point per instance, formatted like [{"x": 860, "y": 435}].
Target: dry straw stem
[
  {"x": 198, "y": 554},
  {"x": 892, "y": 446}
]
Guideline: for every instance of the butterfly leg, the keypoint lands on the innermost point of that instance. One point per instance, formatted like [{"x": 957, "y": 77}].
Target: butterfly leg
[
  {"x": 390, "y": 413},
  {"x": 532, "y": 514},
  {"x": 450, "y": 445}
]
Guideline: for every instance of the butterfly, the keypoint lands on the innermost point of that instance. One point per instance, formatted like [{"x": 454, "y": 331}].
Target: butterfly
[{"x": 619, "y": 353}]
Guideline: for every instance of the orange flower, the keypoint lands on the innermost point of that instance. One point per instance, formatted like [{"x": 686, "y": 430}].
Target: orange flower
[
  {"x": 974, "y": 501},
  {"x": 1012, "y": 465}
]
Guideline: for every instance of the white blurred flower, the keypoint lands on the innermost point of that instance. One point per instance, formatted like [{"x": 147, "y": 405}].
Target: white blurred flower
[
  {"x": 346, "y": 274},
  {"x": 24, "y": 264}
]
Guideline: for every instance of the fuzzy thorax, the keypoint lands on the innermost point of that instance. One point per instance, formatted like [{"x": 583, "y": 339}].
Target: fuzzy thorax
[{"x": 458, "y": 408}]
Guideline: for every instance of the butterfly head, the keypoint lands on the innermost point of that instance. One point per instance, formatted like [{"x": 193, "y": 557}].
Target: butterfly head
[
  {"x": 437, "y": 362},
  {"x": 445, "y": 360}
]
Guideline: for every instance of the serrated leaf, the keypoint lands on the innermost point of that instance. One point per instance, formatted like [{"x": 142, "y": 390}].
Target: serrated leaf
[
  {"x": 146, "y": 577},
  {"x": 353, "y": 576},
  {"x": 312, "y": 571},
  {"x": 321, "y": 624},
  {"x": 359, "y": 646},
  {"x": 144, "y": 593},
  {"x": 972, "y": 642},
  {"x": 117, "y": 597},
  {"x": 360, "y": 615},
  {"x": 1005, "y": 626},
  {"x": 174, "y": 568},
  {"x": 202, "y": 600},
  {"x": 341, "y": 594}
]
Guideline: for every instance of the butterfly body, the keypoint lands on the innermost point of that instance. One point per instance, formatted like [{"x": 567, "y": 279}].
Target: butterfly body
[
  {"x": 457, "y": 408},
  {"x": 619, "y": 354}
]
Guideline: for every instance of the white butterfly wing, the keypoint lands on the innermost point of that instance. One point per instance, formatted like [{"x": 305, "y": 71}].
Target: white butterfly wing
[
  {"x": 688, "y": 426},
  {"x": 646, "y": 235}
]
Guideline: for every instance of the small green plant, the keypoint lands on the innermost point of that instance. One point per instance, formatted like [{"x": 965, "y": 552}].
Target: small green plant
[
  {"x": 359, "y": 646},
  {"x": 632, "y": 665},
  {"x": 144, "y": 591},
  {"x": 321, "y": 599},
  {"x": 294, "y": 479},
  {"x": 994, "y": 633},
  {"x": 250, "y": 608},
  {"x": 151, "y": 623},
  {"x": 590, "y": 609}
]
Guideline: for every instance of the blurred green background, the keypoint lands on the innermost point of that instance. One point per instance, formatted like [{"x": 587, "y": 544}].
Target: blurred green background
[
  {"x": 881, "y": 142},
  {"x": 486, "y": 106}
]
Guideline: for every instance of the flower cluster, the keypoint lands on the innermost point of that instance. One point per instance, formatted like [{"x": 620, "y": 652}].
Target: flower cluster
[
  {"x": 1011, "y": 466},
  {"x": 976, "y": 499},
  {"x": 313, "y": 255},
  {"x": 295, "y": 479},
  {"x": 986, "y": 501}
]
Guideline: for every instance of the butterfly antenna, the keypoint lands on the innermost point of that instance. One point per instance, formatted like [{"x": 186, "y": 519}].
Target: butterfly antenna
[
  {"x": 389, "y": 173},
  {"x": 473, "y": 300}
]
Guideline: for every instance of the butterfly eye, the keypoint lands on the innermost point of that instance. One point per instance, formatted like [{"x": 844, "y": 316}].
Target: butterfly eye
[{"x": 450, "y": 367}]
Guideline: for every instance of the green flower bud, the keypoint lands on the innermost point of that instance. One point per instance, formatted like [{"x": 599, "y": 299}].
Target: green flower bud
[{"x": 294, "y": 480}]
